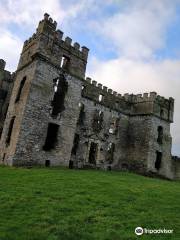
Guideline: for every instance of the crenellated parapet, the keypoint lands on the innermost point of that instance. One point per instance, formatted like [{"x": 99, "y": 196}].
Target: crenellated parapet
[
  {"x": 105, "y": 96},
  {"x": 50, "y": 43},
  {"x": 139, "y": 104}
]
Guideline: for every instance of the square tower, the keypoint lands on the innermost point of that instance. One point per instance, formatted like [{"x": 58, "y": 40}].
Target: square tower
[{"x": 43, "y": 110}]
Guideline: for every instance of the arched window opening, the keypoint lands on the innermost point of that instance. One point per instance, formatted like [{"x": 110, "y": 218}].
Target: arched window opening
[
  {"x": 20, "y": 90},
  {"x": 8, "y": 139}
]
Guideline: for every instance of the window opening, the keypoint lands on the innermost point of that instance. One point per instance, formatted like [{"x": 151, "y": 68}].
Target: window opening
[
  {"x": 20, "y": 89},
  {"x": 51, "y": 137},
  {"x": 8, "y": 139}
]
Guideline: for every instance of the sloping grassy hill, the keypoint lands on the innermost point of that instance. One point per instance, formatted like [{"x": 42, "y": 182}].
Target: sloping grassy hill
[{"x": 63, "y": 204}]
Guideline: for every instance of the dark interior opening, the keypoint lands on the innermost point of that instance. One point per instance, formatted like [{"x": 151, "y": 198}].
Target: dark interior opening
[
  {"x": 65, "y": 63},
  {"x": 160, "y": 135},
  {"x": 60, "y": 90},
  {"x": 47, "y": 163},
  {"x": 75, "y": 144},
  {"x": 93, "y": 153},
  {"x": 97, "y": 123},
  {"x": 20, "y": 89},
  {"x": 110, "y": 153},
  {"x": 51, "y": 138},
  {"x": 8, "y": 139},
  {"x": 162, "y": 113},
  {"x": 81, "y": 114},
  {"x": 71, "y": 164},
  {"x": 158, "y": 160}
]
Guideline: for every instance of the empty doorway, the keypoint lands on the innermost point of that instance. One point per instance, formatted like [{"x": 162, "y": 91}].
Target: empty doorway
[{"x": 93, "y": 152}]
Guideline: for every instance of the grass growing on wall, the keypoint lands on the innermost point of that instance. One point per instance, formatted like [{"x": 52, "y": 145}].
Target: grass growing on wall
[{"x": 63, "y": 204}]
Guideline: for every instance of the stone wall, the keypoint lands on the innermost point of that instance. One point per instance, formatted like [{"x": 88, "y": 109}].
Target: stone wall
[{"x": 6, "y": 84}]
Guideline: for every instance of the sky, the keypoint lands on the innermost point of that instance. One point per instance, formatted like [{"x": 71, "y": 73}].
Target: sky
[{"x": 134, "y": 44}]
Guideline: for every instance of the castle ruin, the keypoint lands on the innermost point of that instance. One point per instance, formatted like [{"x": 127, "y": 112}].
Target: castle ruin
[{"x": 50, "y": 115}]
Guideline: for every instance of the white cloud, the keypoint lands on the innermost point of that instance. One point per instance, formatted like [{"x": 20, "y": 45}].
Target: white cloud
[
  {"x": 26, "y": 12},
  {"x": 139, "y": 29},
  {"x": 10, "y": 47}
]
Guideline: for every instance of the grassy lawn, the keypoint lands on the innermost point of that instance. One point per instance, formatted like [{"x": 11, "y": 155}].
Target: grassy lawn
[{"x": 63, "y": 204}]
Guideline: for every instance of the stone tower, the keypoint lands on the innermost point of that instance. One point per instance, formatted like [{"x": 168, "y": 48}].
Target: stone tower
[{"x": 44, "y": 101}]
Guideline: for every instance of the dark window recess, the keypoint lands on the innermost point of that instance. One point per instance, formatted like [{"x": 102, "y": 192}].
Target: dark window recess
[
  {"x": 75, "y": 144},
  {"x": 93, "y": 153},
  {"x": 47, "y": 163},
  {"x": 5, "y": 113},
  {"x": 3, "y": 94},
  {"x": 8, "y": 139},
  {"x": 160, "y": 135},
  {"x": 20, "y": 89},
  {"x": 162, "y": 113},
  {"x": 65, "y": 63},
  {"x": 110, "y": 153},
  {"x": 60, "y": 90},
  {"x": 124, "y": 166},
  {"x": 83, "y": 89},
  {"x": 158, "y": 160},
  {"x": 97, "y": 123},
  {"x": 70, "y": 164},
  {"x": 51, "y": 138},
  {"x": 81, "y": 114},
  {"x": 1, "y": 129}
]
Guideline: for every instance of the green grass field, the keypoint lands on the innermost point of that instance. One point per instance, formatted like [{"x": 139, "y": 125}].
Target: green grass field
[{"x": 63, "y": 204}]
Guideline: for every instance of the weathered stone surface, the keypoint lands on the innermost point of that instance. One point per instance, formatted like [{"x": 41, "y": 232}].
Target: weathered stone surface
[{"x": 56, "y": 117}]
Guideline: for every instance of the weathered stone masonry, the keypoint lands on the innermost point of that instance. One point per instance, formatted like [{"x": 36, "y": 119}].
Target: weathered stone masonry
[{"x": 57, "y": 117}]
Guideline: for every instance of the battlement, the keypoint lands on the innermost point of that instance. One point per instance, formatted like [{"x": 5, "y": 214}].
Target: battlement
[
  {"x": 48, "y": 26},
  {"x": 50, "y": 42},
  {"x": 147, "y": 103}
]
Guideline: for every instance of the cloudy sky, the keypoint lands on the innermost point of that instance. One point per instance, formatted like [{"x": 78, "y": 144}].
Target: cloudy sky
[{"x": 134, "y": 44}]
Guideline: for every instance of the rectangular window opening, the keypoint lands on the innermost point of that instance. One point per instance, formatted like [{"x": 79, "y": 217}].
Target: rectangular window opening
[
  {"x": 158, "y": 160},
  {"x": 93, "y": 153},
  {"x": 51, "y": 137},
  {"x": 47, "y": 163},
  {"x": 75, "y": 144},
  {"x": 65, "y": 62},
  {"x": 60, "y": 89}
]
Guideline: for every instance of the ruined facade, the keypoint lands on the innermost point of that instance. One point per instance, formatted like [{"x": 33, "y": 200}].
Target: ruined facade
[{"x": 57, "y": 117}]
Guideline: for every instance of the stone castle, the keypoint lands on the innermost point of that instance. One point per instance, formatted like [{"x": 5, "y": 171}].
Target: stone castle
[{"x": 50, "y": 115}]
